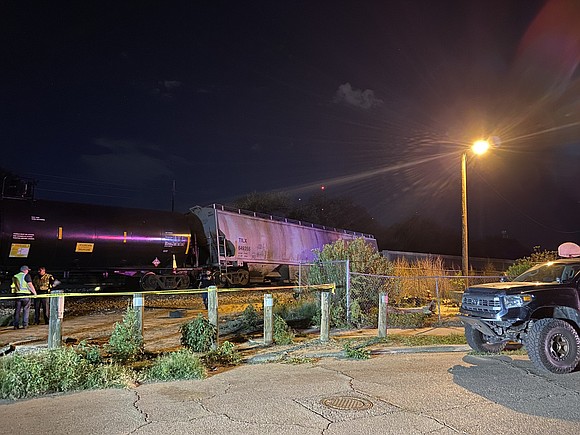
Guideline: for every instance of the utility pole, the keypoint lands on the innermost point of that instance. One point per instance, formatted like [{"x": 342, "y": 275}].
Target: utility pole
[{"x": 173, "y": 197}]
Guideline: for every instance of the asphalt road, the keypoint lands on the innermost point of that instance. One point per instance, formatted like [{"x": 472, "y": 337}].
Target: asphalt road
[{"x": 400, "y": 393}]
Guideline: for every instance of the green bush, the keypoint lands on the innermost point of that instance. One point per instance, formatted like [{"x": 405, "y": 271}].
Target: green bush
[
  {"x": 363, "y": 259},
  {"x": 225, "y": 355},
  {"x": 198, "y": 335},
  {"x": 523, "y": 264},
  {"x": 89, "y": 352},
  {"x": 407, "y": 320},
  {"x": 182, "y": 364},
  {"x": 337, "y": 316},
  {"x": 250, "y": 318},
  {"x": 126, "y": 341},
  {"x": 282, "y": 333},
  {"x": 302, "y": 309},
  {"x": 56, "y": 370}
]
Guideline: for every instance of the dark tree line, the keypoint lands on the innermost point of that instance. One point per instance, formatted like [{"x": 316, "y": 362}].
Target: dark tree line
[{"x": 415, "y": 234}]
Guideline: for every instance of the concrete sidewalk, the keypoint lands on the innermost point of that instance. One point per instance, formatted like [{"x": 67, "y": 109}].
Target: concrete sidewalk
[{"x": 420, "y": 393}]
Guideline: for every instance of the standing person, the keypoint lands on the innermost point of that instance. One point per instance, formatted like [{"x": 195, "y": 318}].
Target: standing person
[
  {"x": 22, "y": 286},
  {"x": 43, "y": 283},
  {"x": 205, "y": 280}
]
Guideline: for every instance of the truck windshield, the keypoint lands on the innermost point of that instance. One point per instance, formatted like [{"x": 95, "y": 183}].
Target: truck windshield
[{"x": 550, "y": 272}]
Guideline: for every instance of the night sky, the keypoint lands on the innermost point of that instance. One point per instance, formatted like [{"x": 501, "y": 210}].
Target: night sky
[{"x": 110, "y": 102}]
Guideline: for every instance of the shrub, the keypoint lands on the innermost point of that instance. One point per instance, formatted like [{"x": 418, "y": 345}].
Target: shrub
[
  {"x": 225, "y": 355},
  {"x": 363, "y": 259},
  {"x": 282, "y": 333},
  {"x": 57, "y": 370},
  {"x": 182, "y": 364},
  {"x": 406, "y": 320},
  {"x": 297, "y": 309},
  {"x": 89, "y": 352},
  {"x": 523, "y": 264},
  {"x": 198, "y": 335},
  {"x": 250, "y": 318},
  {"x": 110, "y": 376},
  {"x": 126, "y": 342}
]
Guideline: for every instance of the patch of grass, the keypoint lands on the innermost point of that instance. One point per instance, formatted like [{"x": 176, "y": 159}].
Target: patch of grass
[
  {"x": 183, "y": 364},
  {"x": 520, "y": 351},
  {"x": 356, "y": 352},
  {"x": 508, "y": 352},
  {"x": 57, "y": 370},
  {"x": 295, "y": 360},
  {"x": 224, "y": 355},
  {"x": 199, "y": 334},
  {"x": 425, "y": 340}
]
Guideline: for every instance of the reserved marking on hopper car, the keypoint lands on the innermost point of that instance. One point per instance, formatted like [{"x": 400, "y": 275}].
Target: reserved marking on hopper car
[
  {"x": 84, "y": 247},
  {"x": 19, "y": 250}
]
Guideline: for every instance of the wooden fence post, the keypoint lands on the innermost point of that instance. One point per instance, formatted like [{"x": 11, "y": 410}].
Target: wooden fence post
[
  {"x": 212, "y": 312},
  {"x": 324, "y": 316},
  {"x": 55, "y": 320},
  {"x": 138, "y": 307},
  {"x": 383, "y": 303},
  {"x": 268, "y": 321}
]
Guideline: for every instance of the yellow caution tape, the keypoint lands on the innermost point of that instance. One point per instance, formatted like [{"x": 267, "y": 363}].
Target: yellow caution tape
[{"x": 57, "y": 293}]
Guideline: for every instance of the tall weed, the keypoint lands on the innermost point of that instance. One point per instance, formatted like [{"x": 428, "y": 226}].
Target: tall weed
[
  {"x": 199, "y": 334},
  {"x": 57, "y": 370},
  {"x": 126, "y": 341},
  {"x": 183, "y": 364}
]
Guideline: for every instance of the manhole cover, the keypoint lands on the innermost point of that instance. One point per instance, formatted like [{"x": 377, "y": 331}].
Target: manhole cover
[{"x": 347, "y": 403}]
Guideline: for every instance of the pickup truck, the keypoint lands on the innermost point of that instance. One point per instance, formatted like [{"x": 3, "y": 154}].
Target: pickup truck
[{"x": 539, "y": 309}]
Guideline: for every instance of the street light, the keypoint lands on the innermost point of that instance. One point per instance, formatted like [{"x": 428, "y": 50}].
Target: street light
[{"x": 479, "y": 147}]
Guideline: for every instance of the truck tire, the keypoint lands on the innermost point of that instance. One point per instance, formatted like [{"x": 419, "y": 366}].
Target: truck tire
[
  {"x": 554, "y": 345},
  {"x": 479, "y": 342}
]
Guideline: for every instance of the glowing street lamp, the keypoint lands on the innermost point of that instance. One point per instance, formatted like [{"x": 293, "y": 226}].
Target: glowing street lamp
[{"x": 479, "y": 147}]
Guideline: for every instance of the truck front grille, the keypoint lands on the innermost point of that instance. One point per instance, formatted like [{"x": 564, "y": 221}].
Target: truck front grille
[{"x": 480, "y": 303}]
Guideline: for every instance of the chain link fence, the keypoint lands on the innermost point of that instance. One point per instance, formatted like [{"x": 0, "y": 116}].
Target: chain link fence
[{"x": 355, "y": 301}]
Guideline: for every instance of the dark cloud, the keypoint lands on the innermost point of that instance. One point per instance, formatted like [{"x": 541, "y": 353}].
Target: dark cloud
[{"x": 356, "y": 97}]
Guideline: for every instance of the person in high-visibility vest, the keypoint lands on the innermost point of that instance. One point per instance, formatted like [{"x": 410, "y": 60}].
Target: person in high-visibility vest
[{"x": 22, "y": 286}]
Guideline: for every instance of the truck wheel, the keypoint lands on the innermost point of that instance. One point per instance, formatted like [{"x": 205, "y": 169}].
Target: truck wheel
[
  {"x": 479, "y": 342},
  {"x": 554, "y": 345}
]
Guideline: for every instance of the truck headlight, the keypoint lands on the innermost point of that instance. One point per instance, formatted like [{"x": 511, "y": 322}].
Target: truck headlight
[{"x": 515, "y": 301}]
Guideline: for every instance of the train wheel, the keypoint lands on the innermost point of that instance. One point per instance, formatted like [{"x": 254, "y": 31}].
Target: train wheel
[
  {"x": 149, "y": 281},
  {"x": 243, "y": 277},
  {"x": 183, "y": 281}
]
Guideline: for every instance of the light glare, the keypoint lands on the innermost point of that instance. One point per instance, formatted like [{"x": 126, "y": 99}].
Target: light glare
[{"x": 480, "y": 146}]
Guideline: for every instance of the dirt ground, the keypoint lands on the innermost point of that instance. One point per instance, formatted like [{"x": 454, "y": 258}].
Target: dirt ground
[{"x": 93, "y": 318}]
